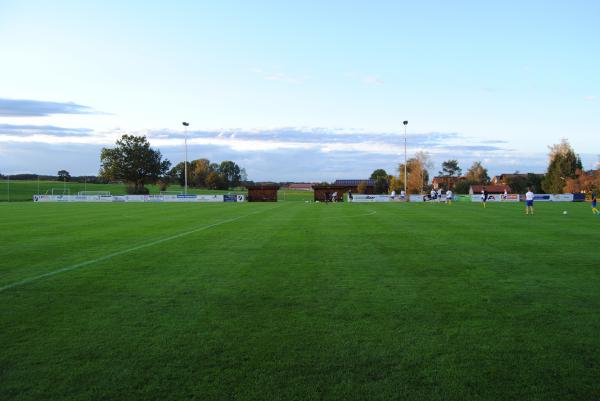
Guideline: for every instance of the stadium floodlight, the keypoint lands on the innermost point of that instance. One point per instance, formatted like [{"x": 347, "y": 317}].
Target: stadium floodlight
[
  {"x": 405, "y": 173},
  {"x": 186, "y": 125}
]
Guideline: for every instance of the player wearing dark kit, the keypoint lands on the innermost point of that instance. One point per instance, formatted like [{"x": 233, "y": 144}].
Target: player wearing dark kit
[{"x": 484, "y": 196}]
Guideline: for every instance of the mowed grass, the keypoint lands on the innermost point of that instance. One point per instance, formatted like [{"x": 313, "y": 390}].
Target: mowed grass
[{"x": 299, "y": 301}]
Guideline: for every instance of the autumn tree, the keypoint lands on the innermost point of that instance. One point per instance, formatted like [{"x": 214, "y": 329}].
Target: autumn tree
[
  {"x": 201, "y": 171},
  {"x": 477, "y": 174},
  {"x": 362, "y": 187},
  {"x": 583, "y": 182},
  {"x": 214, "y": 180}
]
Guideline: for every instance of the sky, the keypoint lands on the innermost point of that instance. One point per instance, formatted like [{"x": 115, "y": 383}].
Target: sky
[{"x": 299, "y": 91}]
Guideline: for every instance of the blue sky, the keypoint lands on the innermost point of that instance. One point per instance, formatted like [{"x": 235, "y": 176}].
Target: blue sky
[{"x": 307, "y": 90}]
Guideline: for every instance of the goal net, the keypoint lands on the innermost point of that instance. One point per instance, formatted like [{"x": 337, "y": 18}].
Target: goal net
[
  {"x": 58, "y": 191},
  {"x": 101, "y": 193}
]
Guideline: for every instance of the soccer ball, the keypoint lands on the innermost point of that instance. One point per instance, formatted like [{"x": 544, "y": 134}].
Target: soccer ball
[{"x": 565, "y": 212}]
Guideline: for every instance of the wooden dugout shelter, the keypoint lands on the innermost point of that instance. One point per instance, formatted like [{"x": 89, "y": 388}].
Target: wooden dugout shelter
[{"x": 262, "y": 192}]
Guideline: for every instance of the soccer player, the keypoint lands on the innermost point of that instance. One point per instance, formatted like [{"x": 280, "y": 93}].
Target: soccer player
[
  {"x": 449, "y": 197},
  {"x": 594, "y": 204},
  {"x": 529, "y": 201},
  {"x": 393, "y": 194},
  {"x": 433, "y": 195},
  {"x": 484, "y": 197},
  {"x": 402, "y": 195},
  {"x": 350, "y": 197},
  {"x": 334, "y": 197}
]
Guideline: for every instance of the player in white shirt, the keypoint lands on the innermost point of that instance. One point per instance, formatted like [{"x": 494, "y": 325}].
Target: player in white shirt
[
  {"x": 433, "y": 195},
  {"x": 529, "y": 201},
  {"x": 393, "y": 194},
  {"x": 334, "y": 197},
  {"x": 402, "y": 195},
  {"x": 449, "y": 197}
]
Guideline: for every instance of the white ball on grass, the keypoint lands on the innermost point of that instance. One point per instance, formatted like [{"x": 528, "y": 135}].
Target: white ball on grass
[{"x": 565, "y": 212}]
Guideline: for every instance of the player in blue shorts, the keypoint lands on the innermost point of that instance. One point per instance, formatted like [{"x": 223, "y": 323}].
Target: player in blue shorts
[
  {"x": 529, "y": 201},
  {"x": 594, "y": 204}
]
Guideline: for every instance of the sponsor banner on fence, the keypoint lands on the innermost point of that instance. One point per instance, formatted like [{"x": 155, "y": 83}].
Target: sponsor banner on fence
[
  {"x": 510, "y": 198},
  {"x": 562, "y": 198},
  {"x": 233, "y": 198},
  {"x": 138, "y": 198},
  {"x": 491, "y": 198},
  {"x": 370, "y": 198}
]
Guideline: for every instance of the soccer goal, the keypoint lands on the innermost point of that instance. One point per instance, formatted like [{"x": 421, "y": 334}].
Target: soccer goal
[
  {"x": 100, "y": 193},
  {"x": 58, "y": 191},
  {"x": 171, "y": 192}
]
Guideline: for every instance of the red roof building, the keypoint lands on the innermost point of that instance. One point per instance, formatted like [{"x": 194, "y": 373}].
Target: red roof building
[{"x": 492, "y": 189}]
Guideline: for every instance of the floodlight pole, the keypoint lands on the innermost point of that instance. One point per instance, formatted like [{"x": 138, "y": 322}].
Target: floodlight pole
[
  {"x": 185, "y": 125},
  {"x": 405, "y": 173},
  {"x": 8, "y": 188}
]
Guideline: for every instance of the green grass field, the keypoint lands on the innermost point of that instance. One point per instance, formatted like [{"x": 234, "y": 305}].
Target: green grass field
[
  {"x": 299, "y": 301},
  {"x": 20, "y": 191}
]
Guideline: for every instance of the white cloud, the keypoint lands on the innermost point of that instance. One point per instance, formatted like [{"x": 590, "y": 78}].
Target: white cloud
[
  {"x": 372, "y": 80},
  {"x": 590, "y": 98},
  {"x": 276, "y": 75},
  {"x": 281, "y": 77}
]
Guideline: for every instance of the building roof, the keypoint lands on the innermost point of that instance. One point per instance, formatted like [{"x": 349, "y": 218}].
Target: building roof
[
  {"x": 447, "y": 178},
  {"x": 353, "y": 183},
  {"x": 493, "y": 189}
]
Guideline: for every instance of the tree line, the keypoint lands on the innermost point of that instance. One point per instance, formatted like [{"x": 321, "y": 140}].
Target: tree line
[
  {"x": 564, "y": 174},
  {"x": 204, "y": 174},
  {"x": 133, "y": 160}
]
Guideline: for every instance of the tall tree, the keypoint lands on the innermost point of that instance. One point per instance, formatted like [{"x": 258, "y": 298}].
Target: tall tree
[
  {"x": 231, "y": 173},
  {"x": 378, "y": 173},
  {"x": 562, "y": 165},
  {"x": 201, "y": 171},
  {"x": 134, "y": 161},
  {"x": 450, "y": 168},
  {"x": 381, "y": 185},
  {"x": 177, "y": 173},
  {"x": 417, "y": 172},
  {"x": 63, "y": 175},
  {"x": 477, "y": 174}
]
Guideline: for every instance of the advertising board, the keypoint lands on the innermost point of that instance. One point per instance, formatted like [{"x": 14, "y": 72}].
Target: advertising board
[{"x": 370, "y": 198}]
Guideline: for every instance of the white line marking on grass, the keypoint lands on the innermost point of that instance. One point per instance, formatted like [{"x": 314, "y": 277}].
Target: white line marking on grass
[{"x": 124, "y": 251}]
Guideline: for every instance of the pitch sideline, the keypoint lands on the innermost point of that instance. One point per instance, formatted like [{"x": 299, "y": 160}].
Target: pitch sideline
[{"x": 124, "y": 251}]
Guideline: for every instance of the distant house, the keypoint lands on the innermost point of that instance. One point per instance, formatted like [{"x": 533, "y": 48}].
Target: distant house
[
  {"x": 492, "y": 189},
  {"x": 505, "y": 178},
  {"x": 301, "y": 186},
  {"x": 446, "y": 182}
]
